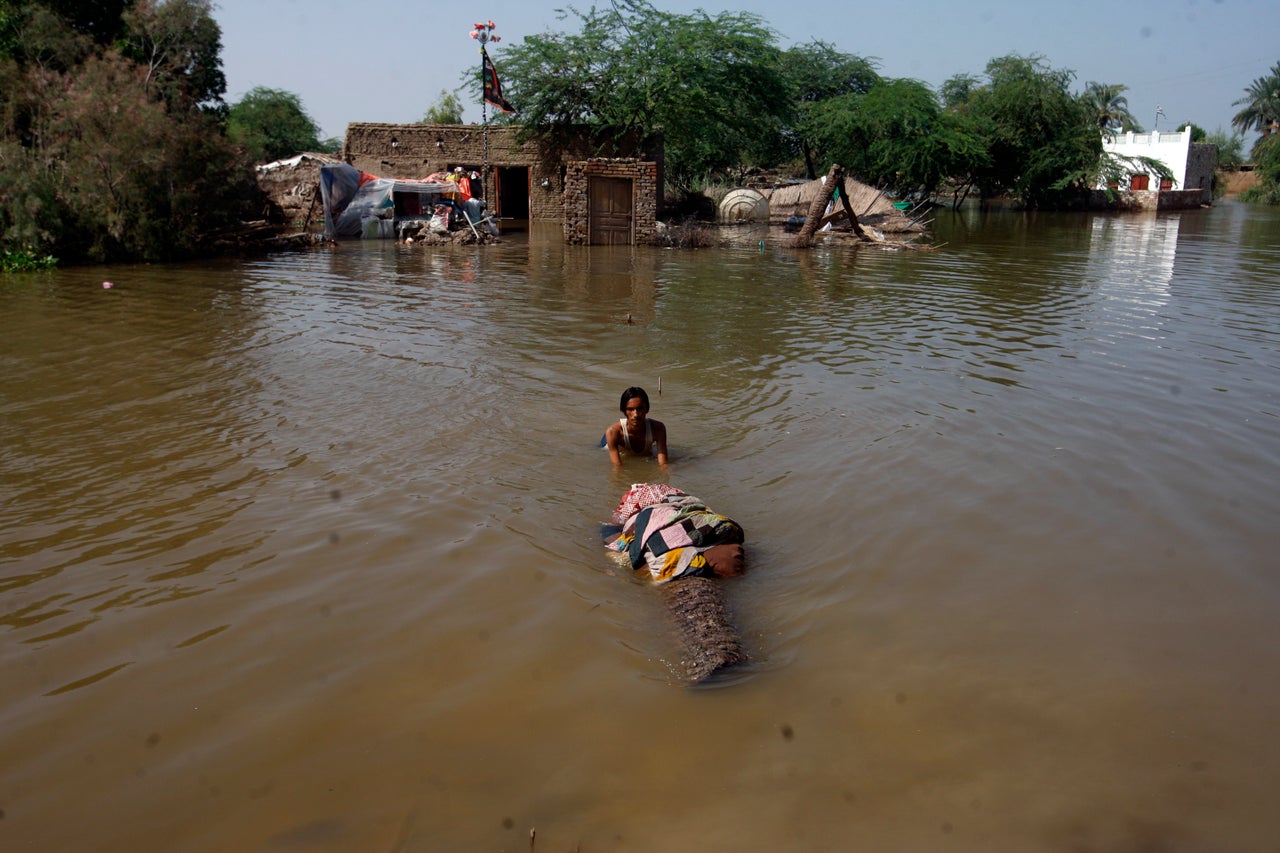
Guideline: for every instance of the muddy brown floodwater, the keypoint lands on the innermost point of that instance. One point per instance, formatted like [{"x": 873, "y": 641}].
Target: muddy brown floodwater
[{"x": 302, "y": 553}]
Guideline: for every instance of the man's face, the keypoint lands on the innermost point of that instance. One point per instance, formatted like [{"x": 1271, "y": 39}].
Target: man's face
[
  {"x": 726, "y": 561},
  {"x": 635, "y": 410}
]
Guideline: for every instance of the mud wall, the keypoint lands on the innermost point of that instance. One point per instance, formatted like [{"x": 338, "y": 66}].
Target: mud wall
[{"x": 417, "y": 150}]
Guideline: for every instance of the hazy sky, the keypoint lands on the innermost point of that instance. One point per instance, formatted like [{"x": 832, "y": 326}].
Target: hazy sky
[{"x": 387, "y": 60}]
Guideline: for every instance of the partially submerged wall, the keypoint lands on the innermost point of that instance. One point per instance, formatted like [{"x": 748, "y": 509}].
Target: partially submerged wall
[
  {"x": 1148, "y": 199},
  {"x": 292, "y": 188},
  {"x": 418, "y": 150}
]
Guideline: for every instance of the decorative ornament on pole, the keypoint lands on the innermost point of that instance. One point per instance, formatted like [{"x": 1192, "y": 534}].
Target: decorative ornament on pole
[
  {"x": 491, "y": 90},
  {"x": 1159, "y": 113}
]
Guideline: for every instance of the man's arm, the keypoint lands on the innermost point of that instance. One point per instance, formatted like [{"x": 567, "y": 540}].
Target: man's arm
[
  {"x": 660, "y": 441},
  {"x": 613, "y": 440}
]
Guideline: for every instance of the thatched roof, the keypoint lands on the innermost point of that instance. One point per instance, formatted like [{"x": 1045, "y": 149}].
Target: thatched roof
[{"x": 870, "y": 204}]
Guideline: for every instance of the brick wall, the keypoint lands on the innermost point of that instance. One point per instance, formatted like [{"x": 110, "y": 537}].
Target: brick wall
[{"x": 644, "y": 197}]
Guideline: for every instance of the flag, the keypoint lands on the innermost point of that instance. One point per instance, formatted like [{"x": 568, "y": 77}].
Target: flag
[{"x": 492, "y": 88}]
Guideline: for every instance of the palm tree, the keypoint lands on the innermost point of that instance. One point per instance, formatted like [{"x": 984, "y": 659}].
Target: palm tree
[
  {"x": 1261, "y": 104},
  {"x": 1110, "y": 106}
]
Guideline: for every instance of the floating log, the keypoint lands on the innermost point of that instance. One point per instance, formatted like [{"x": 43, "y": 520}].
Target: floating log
[{"x": 708, "y": 639}]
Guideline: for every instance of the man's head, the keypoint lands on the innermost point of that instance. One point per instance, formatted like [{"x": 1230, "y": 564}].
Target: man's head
[
  {"x": 633, "y": 393},
  {"x": 726, "y": 561}
]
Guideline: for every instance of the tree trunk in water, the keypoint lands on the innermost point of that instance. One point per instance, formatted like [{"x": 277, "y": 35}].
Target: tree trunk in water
[
  {"x": 709, "y": 641},
  {"x": 834, "y": 181},
  {"x": 848, "y": 209},
  {"x": 814, "y": 217}
]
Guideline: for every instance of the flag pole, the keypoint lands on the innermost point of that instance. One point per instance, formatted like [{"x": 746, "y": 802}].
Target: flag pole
[{"x": 483, "y": 33}]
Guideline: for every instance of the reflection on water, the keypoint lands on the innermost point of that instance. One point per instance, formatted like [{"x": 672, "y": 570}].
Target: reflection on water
[
  {"x": 1133, "y": 256},
  {"x": 301, "y": 551}
]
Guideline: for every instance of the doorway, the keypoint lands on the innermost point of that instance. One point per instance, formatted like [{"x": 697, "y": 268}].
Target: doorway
[{"x": 512, "y": 185}]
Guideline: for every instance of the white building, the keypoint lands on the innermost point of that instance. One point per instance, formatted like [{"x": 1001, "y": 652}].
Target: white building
[{"x": 1192, "y": 165}]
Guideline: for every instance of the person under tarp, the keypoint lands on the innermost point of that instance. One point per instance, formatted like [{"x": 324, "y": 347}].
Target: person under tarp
[{"x": 673, "y": 534}]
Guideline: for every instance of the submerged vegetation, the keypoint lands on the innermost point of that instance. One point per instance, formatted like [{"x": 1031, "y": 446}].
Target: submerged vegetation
[{"x": 24, "y": 260}]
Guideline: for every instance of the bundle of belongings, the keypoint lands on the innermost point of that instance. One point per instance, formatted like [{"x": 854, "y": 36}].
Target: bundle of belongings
[{"x": 674, "y": 534}]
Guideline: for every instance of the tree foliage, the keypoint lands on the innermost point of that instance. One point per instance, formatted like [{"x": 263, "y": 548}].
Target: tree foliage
[
  {"x": 713, "y": 85},
  {"x": 100, "y": 20},
  {"x": 1260, "y": 111},
  {"x": 105, "y": 150},
  {"x": 272, "y": 124},
  {"x": 33, "y": 35},
  {"x": 896, "y": 136},
  {"x": 1110, "y": 107},
  {"x": 447, "y": 109},
  {"x": 1230, "y": 148},
  {"x": 955, "y": 91},
  {"x": 1266, "y": 158},
  {"x": 1260, "y": 106},
  {"x": 180, "y": 44},
  {"x": 1042, "y": 142},
  {"x": 817, "y": 73}
]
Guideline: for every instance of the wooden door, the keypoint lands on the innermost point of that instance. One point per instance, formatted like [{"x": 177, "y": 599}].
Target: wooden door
[{"x": 609, "y": 212}]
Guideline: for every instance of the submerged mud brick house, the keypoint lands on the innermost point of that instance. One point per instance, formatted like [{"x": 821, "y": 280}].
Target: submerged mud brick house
[
  {"x": 526, "y": 180},
  {"x": 1192, "y": 165}
]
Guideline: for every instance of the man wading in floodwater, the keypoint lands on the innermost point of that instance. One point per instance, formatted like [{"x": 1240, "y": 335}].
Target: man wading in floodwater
[{"x": 635, "y": 433}]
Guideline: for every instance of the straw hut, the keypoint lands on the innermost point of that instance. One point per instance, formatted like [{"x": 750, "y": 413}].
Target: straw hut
[{"x": 873, "y": 209}]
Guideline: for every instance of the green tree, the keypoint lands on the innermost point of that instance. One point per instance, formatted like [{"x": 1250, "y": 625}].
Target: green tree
[
  {"x": 271, "y": 124},
  {"x": 897, "y": 136},
  {"x": 714, "y": 86},
  {"x": 34, "y": 35},
  {"x": 103, "y": 157},
  {"x": 1042, "y": 142},
  {"x": 447, "y": 109},
  {"x": 817, "y": 73},
  {"x": 955, "y": 91},
  {"x": 126, "y": 179},
  {"x": 101, "y": 20},
  {"x": 1260, "y": 106},
  {"x": 1230, "y": 149}
]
